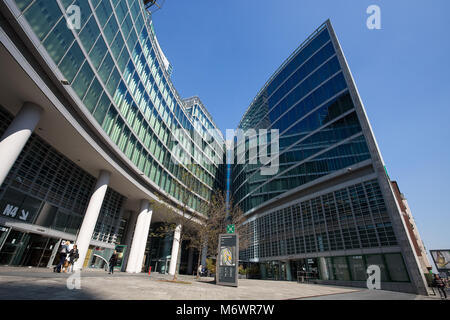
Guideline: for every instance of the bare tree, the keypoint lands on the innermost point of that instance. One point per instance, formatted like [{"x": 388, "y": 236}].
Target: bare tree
[
  {"x": 219, "y": 216},
  {"x": 215, "y": 210},
  {"x": 180, "y": 215}
]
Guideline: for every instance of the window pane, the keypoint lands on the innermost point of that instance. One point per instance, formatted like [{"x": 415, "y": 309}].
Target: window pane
[
  {"x": 396, "y": 267},
  {"x": 101, "y": 109},
  {"x": 58, "y": 41},
  {"x": 92, "y": 96},
  {"x": 89, "y": 34},
  {"x": 72, "y": 62},
  {"x": 98, "y": 52},
  {"x": 377, "y": 259},
  {"x": 83, "y": 80},
  {"x": 42, "y": 16},
  {"x": 341, "y": 269},
  {"x": 357, "y": 268},
  {"x": 106, "y": 68}
]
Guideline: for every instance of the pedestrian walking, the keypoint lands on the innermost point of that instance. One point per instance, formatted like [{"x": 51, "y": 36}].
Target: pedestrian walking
[
  {"x": 112, "y": 262},
  {"x": 440, "y": 285},
  {"x": 199, "y": 270},
  {"x": 62, "y": 257},
  {"x": 66, "y": 265},
  {"x": 73, "y": 257}
]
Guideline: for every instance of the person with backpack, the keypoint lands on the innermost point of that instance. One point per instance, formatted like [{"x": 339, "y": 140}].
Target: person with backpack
[{"x": 440, "y": 285}]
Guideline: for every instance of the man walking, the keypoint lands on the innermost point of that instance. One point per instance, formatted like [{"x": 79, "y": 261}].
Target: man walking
[
  {"x": 112, "y": 262},
  {"x": 440, "y": 285}
]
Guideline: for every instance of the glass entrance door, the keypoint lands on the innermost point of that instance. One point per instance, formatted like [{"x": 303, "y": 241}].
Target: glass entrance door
[
  {"x": 13, "y": 247},
  {"x": 38, "y": 251},
  {"x": 4, "y": 231},
  {"x": 25, "y": 249}
]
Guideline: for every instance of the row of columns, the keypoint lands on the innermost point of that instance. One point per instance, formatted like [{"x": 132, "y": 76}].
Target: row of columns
[{"x": 12, "y": 143}]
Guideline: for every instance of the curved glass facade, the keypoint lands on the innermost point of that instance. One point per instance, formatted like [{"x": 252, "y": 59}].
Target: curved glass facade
[
  {"x": 309, "y": 102},
  {"x": 113, "y": 64},
  {"x": 327, "y": 205}
]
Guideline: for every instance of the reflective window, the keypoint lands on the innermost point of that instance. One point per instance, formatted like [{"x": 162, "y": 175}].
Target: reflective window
[
  {"x": 58, "y": 41},
  {"x": 91, "y": 98},
  {"x": 102, "y": 108},
  {"x": 103, "y": 12},
  {"x": 106, "y": 68},
  {"x": 98, "y": 52},
  {"x": 72, "y": 62},
  {"x": 83, "y": 79},
  {"x": 89, "y": 34},
  {"x": 42, "y": 16}
]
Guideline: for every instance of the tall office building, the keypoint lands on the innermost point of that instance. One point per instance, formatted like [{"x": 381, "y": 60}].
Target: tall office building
[
  {"x": 87, "y": 117},
  {"x": 330, "y": 210},
  {"x": 90, "y": 124}
]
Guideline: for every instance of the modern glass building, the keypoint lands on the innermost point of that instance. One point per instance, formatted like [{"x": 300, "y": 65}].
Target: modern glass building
[
  {"x": 90, "y": 120},
  {"x": 93, "y": 132},
  {"x": 330, "y": 211}
]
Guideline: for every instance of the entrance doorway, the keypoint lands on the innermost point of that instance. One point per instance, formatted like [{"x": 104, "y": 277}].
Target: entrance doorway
[
  {"x": 4, "y": 231},
  {"x": 25, "y": 249},
  {"x": 38, "y": 251}
]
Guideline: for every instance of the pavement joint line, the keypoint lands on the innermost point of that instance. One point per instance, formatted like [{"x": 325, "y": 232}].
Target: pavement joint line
[{"x": 323, "y": 295}]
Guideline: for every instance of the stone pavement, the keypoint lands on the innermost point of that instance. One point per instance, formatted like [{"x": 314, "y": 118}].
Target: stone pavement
[{"x": 43, "y": 284}]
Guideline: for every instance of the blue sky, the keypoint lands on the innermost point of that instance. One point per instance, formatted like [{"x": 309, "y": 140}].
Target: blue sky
[{"x": 224, "y": 52}]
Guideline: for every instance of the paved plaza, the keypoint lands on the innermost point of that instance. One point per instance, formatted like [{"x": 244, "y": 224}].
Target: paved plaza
[{"x": 43, "y": 284}]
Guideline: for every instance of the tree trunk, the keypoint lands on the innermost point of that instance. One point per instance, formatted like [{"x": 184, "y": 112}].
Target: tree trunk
[
  {"x": 198, "y": 262},
  {"x": 177, "y": 266}
]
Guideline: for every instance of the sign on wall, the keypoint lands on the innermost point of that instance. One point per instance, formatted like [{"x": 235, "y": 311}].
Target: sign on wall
[
  {"x": 441, "y": 259},
  {"x": 228, "y": 260},
  {"x": 19, "y": 206}
]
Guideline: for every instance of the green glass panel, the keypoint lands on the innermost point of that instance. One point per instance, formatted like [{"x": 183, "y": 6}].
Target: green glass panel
[
  {"x": 98, "y": 52},
  {"x": 89, "y": 34},
  {"x": 102, "y": 108},
  {"x": 93, "y": 95},
  {"x": 58, "y": 41},
  {"x": 83, "y": 80},
  {"x": 72, "y": 62},
  {"x": 22, "y": 4},
  {"x": 106, "y": 68},
  {"x": 42, "y": 16}
]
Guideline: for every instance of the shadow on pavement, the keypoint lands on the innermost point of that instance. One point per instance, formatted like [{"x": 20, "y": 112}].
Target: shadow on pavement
[{"x": 33, "y": 291}]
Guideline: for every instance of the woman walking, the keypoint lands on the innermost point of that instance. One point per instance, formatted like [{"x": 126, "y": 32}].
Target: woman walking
[
  {"x": 112, "y": 262},
  {"x": 73, "y": 257}
]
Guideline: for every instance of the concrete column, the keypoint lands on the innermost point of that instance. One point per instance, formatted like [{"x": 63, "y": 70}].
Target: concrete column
[
  {"x": 131, "y": 225},
  {"x": 16, "y": 136},
  {"x": 143, "y": 242},
  {"x": 141, "y": 229},
  {"x": 175, "y": 249},
  {"x": 190, "y": 261},
  {"x": 90, "y": 218},
  {"x": 323, "y": 268}
]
